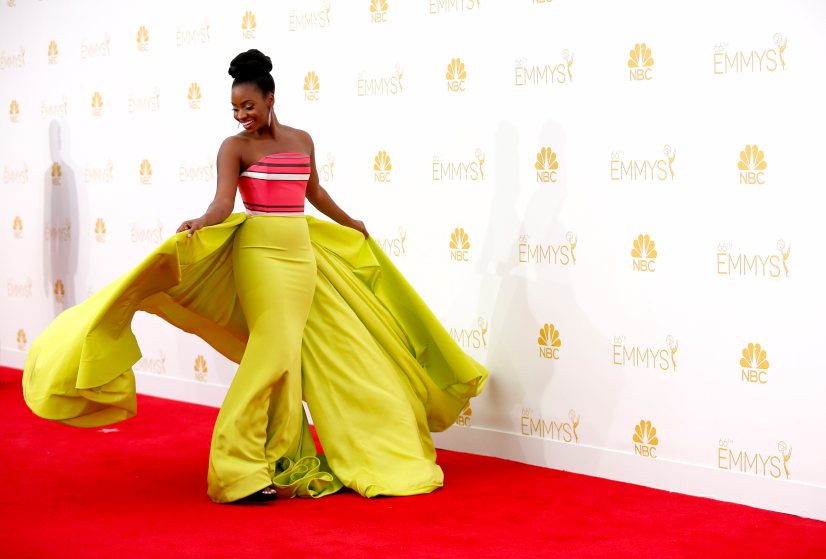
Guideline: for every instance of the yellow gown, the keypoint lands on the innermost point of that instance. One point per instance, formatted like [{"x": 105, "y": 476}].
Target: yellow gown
[{"x": 377, "y": 370}]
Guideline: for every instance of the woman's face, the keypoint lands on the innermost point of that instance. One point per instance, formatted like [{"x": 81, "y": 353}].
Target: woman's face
[{"x": 250, "y": 107}]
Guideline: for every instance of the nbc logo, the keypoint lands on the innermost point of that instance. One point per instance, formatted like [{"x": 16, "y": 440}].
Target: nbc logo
[
  {"x": 194, "y": 95},
  {"x": 456, "y": 75},
  {"x": 378, "y": 11},
  {"x": 200, "y": 368},
  {"x": 57, "y": 174},
  {"x": 248, "y": 25},
  {"x": 546, "y": 165},
  {"x": 382, "y": 166},
  {"x": 644, "y": 254},
  {"x": 21, "y": 340},
  {"x": 52, "y": 52},
  {"x": 100, "y": 230},
  {"x": 143, "y": 39},
  {"x": 146, "y": 172},
  {"x": 640, "y": 62},
  {"x": 459, "y": 245},
  {"x": 59, "y": 291},
  {"x": 464, "y": 417},
  {"x": 549, "y": 342},
  {"x": 752, "y": 165},
  {"x": 755, "y": 364},
  {"x": 17, "y": 227},
  {"x": 311, "y": 86},
  {"x": 14, "y": 111},
  {"x": 645, "y": 439},
  {"x": 97, "y": 103}
]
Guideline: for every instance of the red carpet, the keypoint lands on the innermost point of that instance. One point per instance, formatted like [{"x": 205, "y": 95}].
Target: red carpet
[{"x": 140, "y": 491}]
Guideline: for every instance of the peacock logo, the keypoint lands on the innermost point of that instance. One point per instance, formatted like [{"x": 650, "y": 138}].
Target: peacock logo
[
  {"x": 382, "y": 166},
  {"x": 146, "y": 172},
  {"x": 640, "y": 63},
  {"x": 459, "y": 245},
  {"x": 546, "y": 165},
  {"x": 645, "y": 439},
  {"x": 59, "y": 291},
  {"x": 754, "y": 363},
  {"x": 644, "y": 254},
  {"x": 459, "y": 239},
  {"x": 311, "y": 86},
  {"x": 194, "y": 95},
  {"x": 378, "y": 11},
  {"x": 57, "y": 173},
  {"x": 200, "y": 368},
  {"x": 752, "y": 165},
  {"x": 248, "y": 25},
  {"x": 17, "y": 227},
  {"x": 456, "y": 75},
  {"x": 143, "y": 39},
  {"x": 100, "y": 230},
  {"x": 549, "y": 342},
  {"x": 52, "y": 52},
  {"x": 21, "y": 340},
  {"x": 14, "y": 111},
  {"x": 97, "y": 103}
]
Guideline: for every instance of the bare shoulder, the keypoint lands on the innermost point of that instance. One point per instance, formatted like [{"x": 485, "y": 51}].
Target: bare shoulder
[
  {"x": 232, "y": 145},
  {"x": 302, "y": 136}
]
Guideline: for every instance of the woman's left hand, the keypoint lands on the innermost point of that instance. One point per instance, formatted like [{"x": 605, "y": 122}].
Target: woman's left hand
[{"x": 359, "y": 226}]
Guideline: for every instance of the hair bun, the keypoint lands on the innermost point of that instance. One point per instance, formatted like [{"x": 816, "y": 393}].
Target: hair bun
[{"x": 250, "y": 64}]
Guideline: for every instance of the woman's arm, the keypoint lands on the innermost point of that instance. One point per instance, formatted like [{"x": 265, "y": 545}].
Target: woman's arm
[
  {"x": 322, "y": 201},
  {"x": 229, "y": 168}
]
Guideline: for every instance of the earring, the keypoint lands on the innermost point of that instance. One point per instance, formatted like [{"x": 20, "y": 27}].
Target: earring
[
  {"x": 269, "y": 118},
  {"x": 239, "y": 124}
]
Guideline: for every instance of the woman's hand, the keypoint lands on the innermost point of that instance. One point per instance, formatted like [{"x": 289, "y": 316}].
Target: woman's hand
[
  {"x": 192, "y": 224},
  {"x": 359, "y": 226}
]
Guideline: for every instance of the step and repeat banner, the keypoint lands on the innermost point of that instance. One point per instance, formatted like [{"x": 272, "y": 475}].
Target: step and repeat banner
[{"x": 615, "y": 206}]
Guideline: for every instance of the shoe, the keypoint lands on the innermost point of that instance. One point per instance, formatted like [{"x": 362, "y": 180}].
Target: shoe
[{"x": 267, "y": 494}]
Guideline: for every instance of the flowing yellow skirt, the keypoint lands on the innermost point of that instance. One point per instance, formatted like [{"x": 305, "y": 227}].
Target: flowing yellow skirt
[{"x": 310, "y": 310}]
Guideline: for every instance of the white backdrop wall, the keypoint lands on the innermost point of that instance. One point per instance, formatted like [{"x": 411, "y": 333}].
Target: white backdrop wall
[{"x": 613, "y": 205}]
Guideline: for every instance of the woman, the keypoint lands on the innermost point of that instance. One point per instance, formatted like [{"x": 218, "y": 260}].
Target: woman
[{"x": 309, "y": 309}]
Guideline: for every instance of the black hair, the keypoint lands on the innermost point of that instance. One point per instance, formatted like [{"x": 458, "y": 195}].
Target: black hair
[{"x": 252, "y": 66}]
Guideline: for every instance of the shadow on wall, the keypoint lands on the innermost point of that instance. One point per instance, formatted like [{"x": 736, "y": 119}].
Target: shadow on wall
[
  {"x": 502, "y": 291},
  {"x": 526, "y": 389},
  {"x": 60, "y": 226}
]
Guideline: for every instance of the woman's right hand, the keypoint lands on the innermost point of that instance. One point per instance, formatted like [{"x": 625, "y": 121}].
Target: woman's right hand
[{"x": 192, "y": 225}]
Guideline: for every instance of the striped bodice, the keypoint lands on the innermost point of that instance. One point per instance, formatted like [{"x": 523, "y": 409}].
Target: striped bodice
[{"x": 275, "y": 184}]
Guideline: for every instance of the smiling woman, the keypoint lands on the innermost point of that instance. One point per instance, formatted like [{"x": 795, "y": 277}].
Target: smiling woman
[{"x": 309, "y": 309}]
